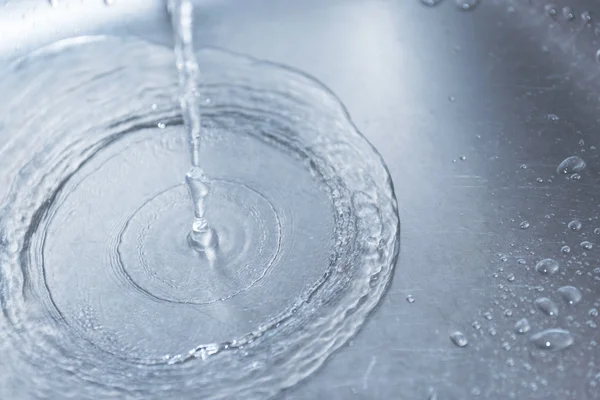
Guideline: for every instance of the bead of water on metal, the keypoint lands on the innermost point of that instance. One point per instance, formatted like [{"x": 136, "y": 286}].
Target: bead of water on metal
[
  {"x": 467, "y": 5},
  {"x": 567, "y": 13},
  {"x": 551, "y": 10},
  {"x": 506, "y": 346},
  {"x": 431, "y": 3},
  {"x": 487, "y": 315},
  {"x": 459, "y": 339},
  {"x": 552, "y": 339},
  {"x": 452, "y": 99},
  {"x": 508, "y": 313},
  {"x": 547, "y": 266},
  {"x": 565, "y": 249},
  {"x": 161, "y": 125},
  {"x": 523, "y": 166},
  {"x": 524, "y": 225},
  {"x": 522, "y": 326},
  {"x": 463, "y": 158},
  {"x": 547, "y": 306},
  {"x": 586, "y": 17},
  {"x": 571, "y": 165},
  {"x": 410, "y": 298},
  {"x": 575, "y": 225},
  {"x": 587, "y": 245},
  {"x": 593, "y": 312},
  {"x": 492, "y": 331},
  {"x": 510, "y": 277},
  {"x": 575, "y": 177},
  {"x": 521, "y": 261},
  {"x": 570, "y": 294},
  {"x": 597, "y": 231},
  {"x": 553, "y": 117}
]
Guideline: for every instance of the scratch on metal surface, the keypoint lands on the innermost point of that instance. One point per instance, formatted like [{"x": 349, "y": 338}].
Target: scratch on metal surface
[{"x": 365, "y": 382}]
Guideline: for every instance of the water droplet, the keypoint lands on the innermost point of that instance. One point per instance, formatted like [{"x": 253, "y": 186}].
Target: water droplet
[
  {"x": 431, "y": 3},
  {"x": 551, "y": 10},
  {"x": 506, "y": 346},
  {"x": 575, "y": 177},
  {"x": 547, "y": 266},
  {"x": 586, "y": 17},
  {"x": 521, "y": 261},
  {"x": 462, "y": 158},
  {"x": 459, "y": 339},
  {"x": 597, "y": 231},
  {"x": 410, "y": 298},
  {"x": 567, "y": 13},
  {"x": 553, "y": 117},
  {"x": 565, "y": 249},
  {"x": 523, "y": 166},
  {"x": 575, "y": 225},
  {"x": 476, "y": 325},
  {"x": 586, "y": 245},
  {"x": 510, "y": 277},
  {"x": 552, "y": 339},
  {"x": 492, "y": 331},
  {"x": 508, "y": 313},
  {"x": 540, "y": 180},
  {"x": 570, "y": 294},
  {"x": 571, "y": 165},
  {"x": 593, "y": 312},
  {"x": 487, "y": 315},
  {"x": 467, "y": 5},
  {"x": 161, "y": 125},
  {"x": 522, "y": 326},
  {"x": 524, "y": 225},
  {"x": 547, "y": 306},
  {"x": 452, "y": 99}
]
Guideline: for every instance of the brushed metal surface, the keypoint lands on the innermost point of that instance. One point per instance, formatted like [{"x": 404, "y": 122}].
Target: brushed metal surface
[{"x": 428, "y": 86}]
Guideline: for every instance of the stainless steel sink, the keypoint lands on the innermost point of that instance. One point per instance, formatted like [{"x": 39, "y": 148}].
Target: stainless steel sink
[{"x": 472, "y": 111}]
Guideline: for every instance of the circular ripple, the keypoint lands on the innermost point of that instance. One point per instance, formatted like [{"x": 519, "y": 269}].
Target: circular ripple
[
  {"x": 102, "y": 297},
  {"x": 160, "y": 263}
]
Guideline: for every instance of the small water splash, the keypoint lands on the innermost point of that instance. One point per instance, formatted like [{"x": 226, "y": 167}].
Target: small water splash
[
  {"x": 202, "y": 237},
  {"x": 570, "y": 294},
  {"x": 547, "y": 266},
  {"x": 571, "y": 165},
  {"x": 459, "y": 339},
  {"x": 552, "y": 339},
  {"x": 547, "y": 306}
]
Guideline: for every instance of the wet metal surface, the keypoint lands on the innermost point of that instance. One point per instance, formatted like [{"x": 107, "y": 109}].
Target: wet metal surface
[{"x": 472, "y": 112}]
